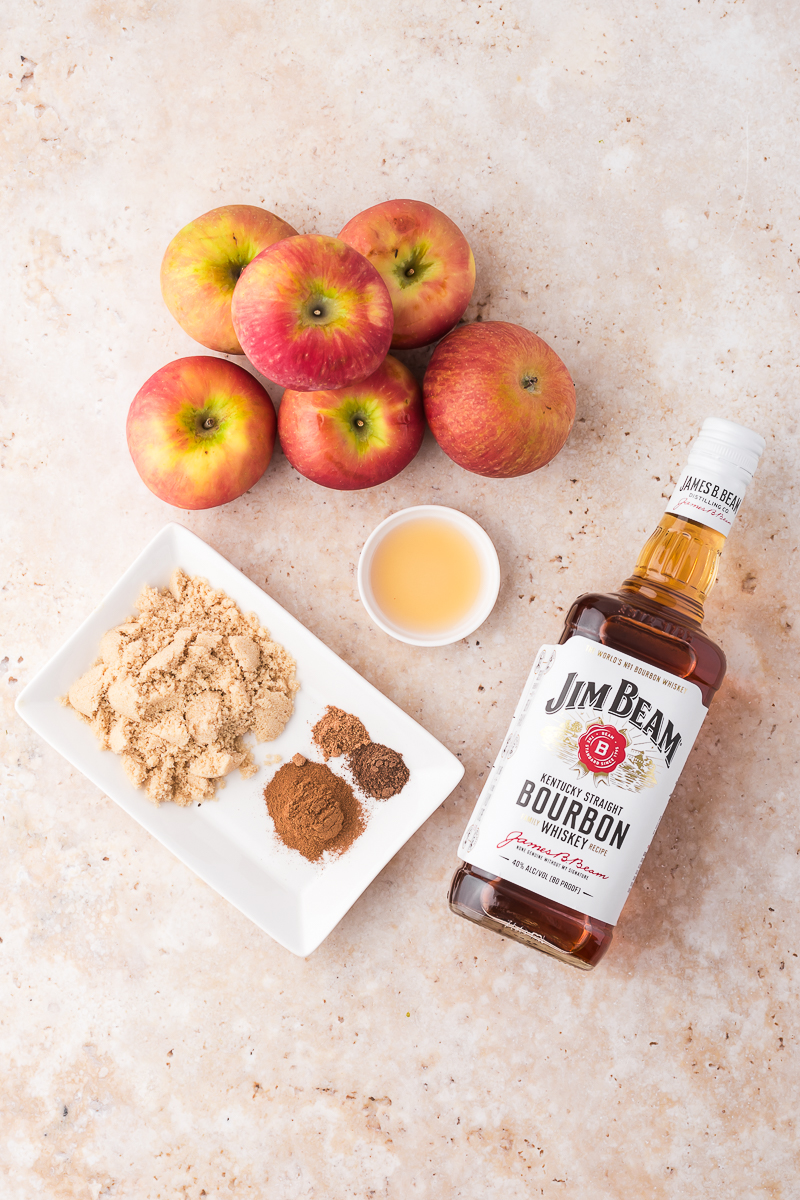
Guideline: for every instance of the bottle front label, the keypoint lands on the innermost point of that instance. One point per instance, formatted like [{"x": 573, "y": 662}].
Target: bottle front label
[
  {"x": 711, "y": 497},
  {"x": 595, "y": 748}
]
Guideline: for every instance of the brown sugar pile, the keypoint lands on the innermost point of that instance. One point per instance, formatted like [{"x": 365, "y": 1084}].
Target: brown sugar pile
[
  {"x": 314, "y": 811},
  {"x": 176, "y": 687},
  {"x": 338, "y": 732},
  {"x": 379, "y": 771}
]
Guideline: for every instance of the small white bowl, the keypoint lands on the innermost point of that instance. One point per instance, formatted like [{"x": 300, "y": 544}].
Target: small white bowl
[{"x": 489, "y": 567}]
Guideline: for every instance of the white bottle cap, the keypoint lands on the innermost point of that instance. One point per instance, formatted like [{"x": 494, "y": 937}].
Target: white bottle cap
[
  {"x": 723, "y": 441},
  {"x": 722, "y": 461}
]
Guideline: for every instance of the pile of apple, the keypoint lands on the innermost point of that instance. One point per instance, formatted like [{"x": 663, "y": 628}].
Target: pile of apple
[{"x": 318, "y": 315}]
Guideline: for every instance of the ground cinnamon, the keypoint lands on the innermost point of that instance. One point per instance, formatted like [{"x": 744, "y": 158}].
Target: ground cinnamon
[
  {"x": 378, "y": 770},
  {"x": 314, "y": 811}
]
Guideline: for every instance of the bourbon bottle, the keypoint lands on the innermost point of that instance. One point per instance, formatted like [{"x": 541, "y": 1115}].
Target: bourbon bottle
[{"x": 603, "y": 728}]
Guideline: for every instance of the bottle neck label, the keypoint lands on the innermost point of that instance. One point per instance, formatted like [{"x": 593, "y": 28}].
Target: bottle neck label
[
  {"x": 711, "y": 497},
  {"x": 594, "y": 750}
]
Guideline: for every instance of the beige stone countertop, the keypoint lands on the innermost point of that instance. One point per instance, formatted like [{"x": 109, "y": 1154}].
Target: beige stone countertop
[{"x": 627, "y": 175}]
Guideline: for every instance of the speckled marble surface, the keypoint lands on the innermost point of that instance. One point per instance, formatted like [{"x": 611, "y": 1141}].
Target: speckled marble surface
[{"x": 627, "y": 176}]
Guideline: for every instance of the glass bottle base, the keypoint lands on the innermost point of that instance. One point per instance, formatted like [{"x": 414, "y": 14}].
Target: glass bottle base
[{"x": 494, "y": 903}]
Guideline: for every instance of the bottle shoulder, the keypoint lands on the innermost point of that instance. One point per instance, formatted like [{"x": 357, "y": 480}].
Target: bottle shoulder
[{"x": 651, "y": 632}]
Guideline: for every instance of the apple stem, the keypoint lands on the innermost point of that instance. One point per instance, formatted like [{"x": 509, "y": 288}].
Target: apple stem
[{"x": 208, "y": 423}]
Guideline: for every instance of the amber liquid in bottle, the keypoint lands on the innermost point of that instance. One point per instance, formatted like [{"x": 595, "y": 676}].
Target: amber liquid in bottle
[{"x": 656, "y": 616}]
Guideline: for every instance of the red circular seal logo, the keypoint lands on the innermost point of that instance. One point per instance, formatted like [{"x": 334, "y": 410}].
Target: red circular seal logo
[{"x": 602, "y": 748}]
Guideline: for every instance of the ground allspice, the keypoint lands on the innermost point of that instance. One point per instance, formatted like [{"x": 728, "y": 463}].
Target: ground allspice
[{"x": 378, "y": 770}]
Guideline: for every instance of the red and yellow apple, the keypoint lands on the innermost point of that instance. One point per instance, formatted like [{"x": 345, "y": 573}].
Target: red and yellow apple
[
  {"x": 356, "y": 436},
  {"x": 311, "y": 312},
  {"x": 202, "y": 265},
  {"x": 424, "y": 260},
  {"x": 201, "y": 431},
  {"x": 498, "y": 400}
]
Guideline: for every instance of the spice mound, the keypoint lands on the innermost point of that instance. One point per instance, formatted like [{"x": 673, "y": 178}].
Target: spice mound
[
  {"x": 314, "y": 811},
  {"x": 176, "y": 687},
  {"x": 337, "y": 733},
  {"x": 378, "y": 770}
]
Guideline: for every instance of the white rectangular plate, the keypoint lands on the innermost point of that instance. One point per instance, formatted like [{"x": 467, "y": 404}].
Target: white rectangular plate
[{"x": 230, "y": 842}]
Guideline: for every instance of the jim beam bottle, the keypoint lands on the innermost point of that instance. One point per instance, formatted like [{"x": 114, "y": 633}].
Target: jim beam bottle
[{"x": 604, "y": 727}]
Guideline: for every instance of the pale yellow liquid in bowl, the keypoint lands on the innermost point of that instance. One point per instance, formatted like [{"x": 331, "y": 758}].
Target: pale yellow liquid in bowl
[{"x": 425, "y": 575}]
